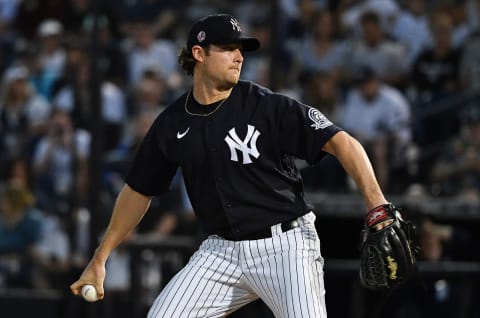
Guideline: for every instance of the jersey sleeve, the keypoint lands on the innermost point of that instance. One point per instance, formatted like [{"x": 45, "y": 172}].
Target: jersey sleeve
[
  {"x": 151, "y": 173},
  {"x": 304, "y": 130}
]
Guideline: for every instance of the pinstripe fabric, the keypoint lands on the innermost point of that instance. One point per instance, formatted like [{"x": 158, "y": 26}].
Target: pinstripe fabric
[{"x": 285, "y": 271}]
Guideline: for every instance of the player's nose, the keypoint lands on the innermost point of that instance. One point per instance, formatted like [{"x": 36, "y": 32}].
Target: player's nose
[{"x": 238, "y": 56}]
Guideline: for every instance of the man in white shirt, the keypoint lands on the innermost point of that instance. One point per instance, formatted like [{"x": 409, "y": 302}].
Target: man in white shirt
[
  {"x": 375, "y": 50},
  {"x": 378, "y": 115},
  {"x": 411, "y": 28}
]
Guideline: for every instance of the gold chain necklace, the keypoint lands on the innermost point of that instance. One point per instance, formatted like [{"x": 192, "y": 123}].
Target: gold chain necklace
[{"x": 207, "y": 114}]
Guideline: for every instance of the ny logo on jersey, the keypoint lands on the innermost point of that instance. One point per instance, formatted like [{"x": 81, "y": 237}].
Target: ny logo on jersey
[
  {"x": 235, "y": 25},
  {"x": 248, "y": 146}
]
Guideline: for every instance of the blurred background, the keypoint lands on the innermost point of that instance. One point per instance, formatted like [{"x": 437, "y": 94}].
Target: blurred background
[{"x": 82, "y": 80}]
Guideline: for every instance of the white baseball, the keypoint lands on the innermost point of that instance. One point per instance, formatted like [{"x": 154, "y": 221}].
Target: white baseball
[{"x": 89, "y": 293}]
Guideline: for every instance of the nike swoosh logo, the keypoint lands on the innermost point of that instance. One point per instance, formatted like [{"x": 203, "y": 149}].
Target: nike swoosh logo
[{"x": 181, "y": 135}]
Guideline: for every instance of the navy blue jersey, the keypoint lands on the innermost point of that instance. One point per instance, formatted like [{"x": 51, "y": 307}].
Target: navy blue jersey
[{"x": 237, "y": 157}]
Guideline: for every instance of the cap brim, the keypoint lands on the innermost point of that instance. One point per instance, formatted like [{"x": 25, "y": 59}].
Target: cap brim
[{"x": 249, "y": 44}]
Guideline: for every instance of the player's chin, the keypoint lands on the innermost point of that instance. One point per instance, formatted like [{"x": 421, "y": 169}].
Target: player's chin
[
  {"x": 234, "y": 81},
  {"x": 229, "y": 83}
]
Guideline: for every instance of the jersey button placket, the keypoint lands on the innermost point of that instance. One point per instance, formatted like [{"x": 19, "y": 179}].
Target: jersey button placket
[{"x": 216, "y": 173}]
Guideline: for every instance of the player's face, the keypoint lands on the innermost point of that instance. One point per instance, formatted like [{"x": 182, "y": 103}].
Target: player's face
[{"x": 223, "y": 64}]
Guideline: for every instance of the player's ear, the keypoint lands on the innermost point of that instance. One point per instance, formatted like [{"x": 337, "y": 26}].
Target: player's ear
[{"x": 198, "y": 53}]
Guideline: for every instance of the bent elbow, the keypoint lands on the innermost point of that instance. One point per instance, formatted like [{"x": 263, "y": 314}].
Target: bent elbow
[{"x": 340, "y": 141}]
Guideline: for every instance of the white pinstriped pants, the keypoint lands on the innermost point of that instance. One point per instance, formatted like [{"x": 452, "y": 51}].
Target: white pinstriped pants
[{"x": 285, "y": 271}]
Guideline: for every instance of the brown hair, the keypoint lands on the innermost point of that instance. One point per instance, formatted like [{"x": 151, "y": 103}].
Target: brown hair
[{"x": 187, "y": 61}]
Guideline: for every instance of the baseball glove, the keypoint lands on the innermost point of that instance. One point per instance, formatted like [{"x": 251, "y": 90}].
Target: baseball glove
[{"x": 387, "y": 256}]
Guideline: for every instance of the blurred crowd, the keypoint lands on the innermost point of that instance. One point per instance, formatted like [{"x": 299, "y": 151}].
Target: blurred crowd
[{"x": 402, "y": 76}]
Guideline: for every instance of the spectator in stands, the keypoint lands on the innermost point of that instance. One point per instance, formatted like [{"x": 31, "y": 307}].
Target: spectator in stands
[
  {"x": 373, "y": 49},
  {"x": 8, "y": 11},
  {"x": 461, "y": 26},
  {"x": 351, "y": 12},
  {"x": 148, "y": 101},
  {"x": 72, "y": 92},
  {"x": 321, "y": 49},
  {"x": 411, "y": 28},
  {"x": 52, "y": 56},
  {"x": 20, "y": 229},
  {"x": 322, "y": 90},
  {"x": 378, "y": 115},
  {"x": 49, "y": 255},
  {"x": 301, "y": 18},
  {"x": 113, "y": 113},
  {"x": 52, "y": 253},
  {"x": 111, "y": 59},
  {"x": 258, "y": 67},
  {"x": 18, "y": 171},
  {"x": 23, "y": 114},
  {"x": 118, "y": 161},
  {"x": 30, "y": 14},
  {"x": 457, "y": 171},
  {"x": 150, "y": 94},
  {"x": 435, "y": 81},
  {"x": 435, "y": 72},
  {"x": 60, "y": 165},
  {"x": 74, "y": 96},
  {"x": 148, "y": 52}
]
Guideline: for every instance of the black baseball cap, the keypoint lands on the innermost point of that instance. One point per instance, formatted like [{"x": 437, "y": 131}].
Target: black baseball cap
[{"x": 219, "y": 29}]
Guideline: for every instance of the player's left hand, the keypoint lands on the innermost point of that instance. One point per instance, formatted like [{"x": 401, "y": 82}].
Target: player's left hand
[{"x": 388, "y": 248}]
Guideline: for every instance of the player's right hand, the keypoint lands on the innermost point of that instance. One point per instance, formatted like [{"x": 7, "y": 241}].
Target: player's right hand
[{"x": 93, "y": 274}]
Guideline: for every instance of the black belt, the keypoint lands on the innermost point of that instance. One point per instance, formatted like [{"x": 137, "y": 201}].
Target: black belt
[{"x": 265, "y": 233}]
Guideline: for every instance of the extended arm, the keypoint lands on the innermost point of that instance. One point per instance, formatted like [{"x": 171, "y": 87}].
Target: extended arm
[
  {"x": 387, "y": 254},
  {"x": 129, "y": 209},
  {"x": 354, "y": 160}
]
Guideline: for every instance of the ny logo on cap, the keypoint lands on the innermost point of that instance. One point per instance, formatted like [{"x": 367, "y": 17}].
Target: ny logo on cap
[{"x": 235, "y": 25}]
